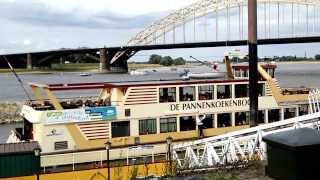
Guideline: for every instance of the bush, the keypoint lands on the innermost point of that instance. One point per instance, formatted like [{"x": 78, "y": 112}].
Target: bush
[
  {"x": 155, "y": 59},
  {"x": 166, "y": 61},
  {"x": 179, "y": 61}
]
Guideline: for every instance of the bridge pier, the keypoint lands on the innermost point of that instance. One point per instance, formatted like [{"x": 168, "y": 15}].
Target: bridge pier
[
  {"x": 29, "y": 61},
  {"x": 119, "y": 66},
  {"x": 253, "y": 61},
  {"x": 104, "y": 61}
]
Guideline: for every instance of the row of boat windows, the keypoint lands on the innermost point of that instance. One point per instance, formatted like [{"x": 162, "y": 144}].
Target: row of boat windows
[
  {"x": 188, "y": 123},
  {"x": 207, "y": 92},
  {"x": 240, "y": 73}
]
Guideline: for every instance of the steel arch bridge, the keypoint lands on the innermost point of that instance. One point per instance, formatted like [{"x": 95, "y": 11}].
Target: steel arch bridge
[{"x": 276, "y": 19}]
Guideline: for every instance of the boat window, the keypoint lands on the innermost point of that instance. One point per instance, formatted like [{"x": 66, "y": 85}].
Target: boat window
[
  {"x": 127, "y": 112},
  {"x": 303, "y": 109},
  {"x": 187, "y": 123},
  {"x": 273, "y": 115},
  {"x": 168, "y": 124},
  {"x": 206, "y": 92},
  {"x": 261, "y": 117},
  {"x": 60, "y": 145},
  {"x": 167, "y": 94},
  {"x": 241, "y": 90},
  {"x": 208, "y": 121},
  {"x": 28, "y": 130},
  {"x": 261, "y": 89},
  {"x": 289, "y": 113},
  {"x": 187, "y": 93},
  {"x": 245, "y": 73},
  {"x": 241, "y": 118},
  {"x": 271, "y": 72},
  {"x": 224, "y": 120},
  {"x": 224, "y": 91},
  {"x": 147, "y": 126},
  {"x": 120, "y": 129},
  {"x": 237, "y": 73}
]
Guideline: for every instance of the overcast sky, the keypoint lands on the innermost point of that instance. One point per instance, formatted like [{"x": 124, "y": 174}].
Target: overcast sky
[{"x": 37, "y": 25}]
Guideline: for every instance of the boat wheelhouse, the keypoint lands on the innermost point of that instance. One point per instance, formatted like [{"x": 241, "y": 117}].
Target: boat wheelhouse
[{"x": 147, "y": 112}]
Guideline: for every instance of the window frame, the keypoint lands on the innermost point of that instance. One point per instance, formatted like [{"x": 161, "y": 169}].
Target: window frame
[
  {"x": 230, "y": 91},
  {"x": 206, "y": 91},
  {"x": 147, "y": 121},
  {"x": 235, "y": 91},
  {"x": 167, "y": 124},
  {"x": 181, "y": 94},
  {"x": 169, "y": 94}
]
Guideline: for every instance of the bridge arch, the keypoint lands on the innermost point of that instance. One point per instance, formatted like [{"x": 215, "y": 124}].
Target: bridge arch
[{"x": 178, "y": 19}]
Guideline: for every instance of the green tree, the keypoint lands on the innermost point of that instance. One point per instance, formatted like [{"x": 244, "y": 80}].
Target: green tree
[
  {"x": 155, "y": 59},
  {"x": 179, "y": 61},
  {"x": 166, "y": 61},
  {"x": 317, "y": 57}
]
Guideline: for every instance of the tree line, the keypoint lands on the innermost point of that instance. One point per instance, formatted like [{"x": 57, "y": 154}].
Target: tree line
[
  {"x": 278, "y": 59},
  {"x": 166, "y": 60}
]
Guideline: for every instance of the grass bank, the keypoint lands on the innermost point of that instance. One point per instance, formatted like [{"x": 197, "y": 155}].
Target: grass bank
[
  {"x": 253, "y": 171},
  {"x": 10, "y": 112}
]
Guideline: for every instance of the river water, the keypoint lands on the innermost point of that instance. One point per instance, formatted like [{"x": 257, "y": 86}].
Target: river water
[{"x": 288, "y": 75}]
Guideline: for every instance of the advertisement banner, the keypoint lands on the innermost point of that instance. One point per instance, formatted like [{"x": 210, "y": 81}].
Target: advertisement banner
[
  {"x": 102, "y": 113},
  {"x": 81, "y": 115}
]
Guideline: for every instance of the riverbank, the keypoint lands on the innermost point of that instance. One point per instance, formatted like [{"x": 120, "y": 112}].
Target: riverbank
[
  {"x": 10, "y": 112},
  {"x": 298, "y": 62},
  {"x": 80, "y": 67}
]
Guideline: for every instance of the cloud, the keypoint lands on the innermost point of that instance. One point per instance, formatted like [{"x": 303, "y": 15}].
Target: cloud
[
  {"x": 42, "y": 15},
  {"x": 27, "y": 42},
  {"x": 70, "y": 14}
]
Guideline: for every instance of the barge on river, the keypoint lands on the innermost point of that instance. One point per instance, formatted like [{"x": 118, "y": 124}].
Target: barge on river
[{"x": 147, "y": 112}]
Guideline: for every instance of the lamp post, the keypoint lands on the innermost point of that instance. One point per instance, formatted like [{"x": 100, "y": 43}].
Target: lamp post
[
  {"x": 37, "y": 152},
  {"x": 169, "y": 142},
  {"x": 108, "y": 147}
]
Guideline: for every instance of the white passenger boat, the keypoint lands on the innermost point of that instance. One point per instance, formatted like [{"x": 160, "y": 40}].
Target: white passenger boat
[{"x": 147, "y": 112}]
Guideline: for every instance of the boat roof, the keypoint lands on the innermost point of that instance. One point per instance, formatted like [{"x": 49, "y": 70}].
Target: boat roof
[
  {"x": 125, "y": 84},
  {"x": 18, "y": 148}
]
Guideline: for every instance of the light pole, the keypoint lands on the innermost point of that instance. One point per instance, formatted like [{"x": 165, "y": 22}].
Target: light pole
[
  {"x": 37, "y": 152},
  {"x": 108, "y": 147},
  {"x": 169, "y": 142}
]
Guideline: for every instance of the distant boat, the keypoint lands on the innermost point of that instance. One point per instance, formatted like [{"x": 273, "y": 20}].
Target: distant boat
[
  {"x": 212, "y": 75},
  {"x": 138, "y": 73},
  {"x": 85, "y": 74}
]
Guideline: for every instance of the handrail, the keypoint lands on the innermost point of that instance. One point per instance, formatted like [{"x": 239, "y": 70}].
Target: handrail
[{"x": 264, "y": 127}]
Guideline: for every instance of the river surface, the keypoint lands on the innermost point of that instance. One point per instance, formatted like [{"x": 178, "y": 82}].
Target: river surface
[{"x": 288, "y": 75}]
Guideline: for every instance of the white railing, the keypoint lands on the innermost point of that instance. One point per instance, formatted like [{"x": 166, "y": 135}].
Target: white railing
[
  {"x": 236, "y": 146},
  {"x": 242, "y": 145},
  {"x": 129, "y": 154}
]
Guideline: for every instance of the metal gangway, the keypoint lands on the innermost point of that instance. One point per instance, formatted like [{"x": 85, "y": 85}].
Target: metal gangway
[{"x": 240, "y": 146}]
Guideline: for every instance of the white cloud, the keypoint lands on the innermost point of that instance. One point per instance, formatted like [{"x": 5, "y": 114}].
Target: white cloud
[
  {"x": 2, "y": 51},
  {"x": 27, "y": 42},
  {"x": 125, "y": 7}
]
